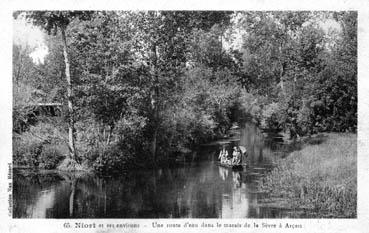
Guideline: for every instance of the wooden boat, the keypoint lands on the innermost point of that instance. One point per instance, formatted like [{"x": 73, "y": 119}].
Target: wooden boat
[{"x": 238, "y": 167}]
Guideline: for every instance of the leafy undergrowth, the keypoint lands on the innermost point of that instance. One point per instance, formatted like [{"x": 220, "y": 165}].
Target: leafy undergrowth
[
  {"x": 42, "y": 146},
  {"x": 71, "y": 165},
  {"x": 321, "y": 178}
]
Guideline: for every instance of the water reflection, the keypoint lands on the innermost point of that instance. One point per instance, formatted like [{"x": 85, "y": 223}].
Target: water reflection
[
  {"x": 43, "y": 203},
  {"x": 203, "y": 191},
  {"x": 199, "y": 189}
]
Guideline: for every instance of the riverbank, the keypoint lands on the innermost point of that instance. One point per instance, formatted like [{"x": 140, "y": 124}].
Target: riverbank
[{"x": 321, "y": 178}]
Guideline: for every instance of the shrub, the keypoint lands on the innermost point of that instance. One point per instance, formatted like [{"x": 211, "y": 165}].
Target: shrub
[
  {"x": 183, "y": 128},
  {"x": 26, "y": 153},
  {"x": 71, "y": 165},
  {"x": 270, "y": 117},
  {"x": 39, "y": 144},
  {"x": 112, "y": 161},
  {"x": 49, "y": 157}
]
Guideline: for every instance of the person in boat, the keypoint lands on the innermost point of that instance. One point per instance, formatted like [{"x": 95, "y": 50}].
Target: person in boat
[
  {"x": 243, "y": 151},
  {"x": 223, "y": 155},
  {"x": 236, "y": 159}
]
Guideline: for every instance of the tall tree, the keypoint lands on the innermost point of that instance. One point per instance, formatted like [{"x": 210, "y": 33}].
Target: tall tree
[
  {"x": 108, "y": 84},
  {"x": 162, "y": 40},
  {"x": 52, "y": 21}
]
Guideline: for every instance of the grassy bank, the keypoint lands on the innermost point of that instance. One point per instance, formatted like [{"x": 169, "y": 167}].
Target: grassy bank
[{"x": 321, "y": 178}]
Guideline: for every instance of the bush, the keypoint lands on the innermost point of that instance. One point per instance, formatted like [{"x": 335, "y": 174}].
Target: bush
[
  {"x": 184, "y": 128},
  {"x": 41, "y": 146},
  {"x": 270, "y": 117},
  {"x": 36, "y": 154},
  {"x": 49, "y": 157},
  {"x": 26, "y": 153},
  {"x": 112, "y": 161}
]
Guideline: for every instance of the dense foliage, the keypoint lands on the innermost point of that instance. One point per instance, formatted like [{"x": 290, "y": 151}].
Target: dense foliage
[
  {"x": 149, "y": 84},
  {"x": 309, "y": 76}
]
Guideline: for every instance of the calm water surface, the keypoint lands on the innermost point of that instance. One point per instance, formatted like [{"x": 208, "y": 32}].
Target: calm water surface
[{"x": 198, "y": 189}]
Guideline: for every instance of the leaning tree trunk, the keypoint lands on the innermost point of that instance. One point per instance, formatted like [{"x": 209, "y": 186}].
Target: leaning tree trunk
[{"x": 72, "y": 152}]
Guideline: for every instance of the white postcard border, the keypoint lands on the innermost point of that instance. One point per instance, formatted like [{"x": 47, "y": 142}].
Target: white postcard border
[{"x": 360, "y": 224}]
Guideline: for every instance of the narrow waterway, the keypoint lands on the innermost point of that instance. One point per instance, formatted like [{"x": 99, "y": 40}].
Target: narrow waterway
[{"x": 197, "y": 189}]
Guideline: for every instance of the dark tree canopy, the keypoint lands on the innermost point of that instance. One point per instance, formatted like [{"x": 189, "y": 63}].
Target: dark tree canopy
[{"x": 52, "y": 20}]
